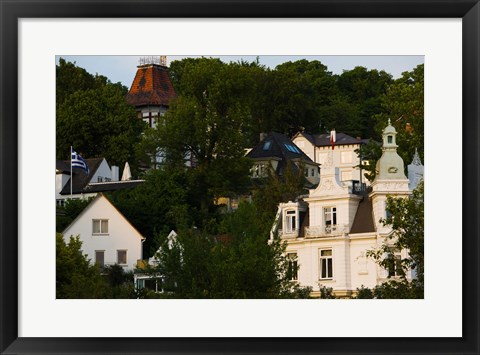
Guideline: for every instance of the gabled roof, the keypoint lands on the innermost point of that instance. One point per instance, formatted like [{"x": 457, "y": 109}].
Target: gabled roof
[
  {"x": 151, "y": 86},
  {"x": 62, "y": 167},
  {"x": 80, "y": 179},
  {"x": 280, "y": 146},
  {"x": 277, "y": 146},
  {"x": 98, "y": 197}
]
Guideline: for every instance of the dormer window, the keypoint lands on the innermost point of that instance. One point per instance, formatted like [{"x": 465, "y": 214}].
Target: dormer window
[
  {"x": 266, "y": 145},
  {"x": 290, "y": 221},
  {"x": 330, "y": 219}
]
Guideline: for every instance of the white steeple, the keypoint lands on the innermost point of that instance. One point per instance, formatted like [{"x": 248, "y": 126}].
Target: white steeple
[
  {"x": 390, "y": 178},
  {"x": 390, "y": 165}
]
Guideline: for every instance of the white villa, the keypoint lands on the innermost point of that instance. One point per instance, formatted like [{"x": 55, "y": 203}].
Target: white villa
[{"x": 329, "y": 231}]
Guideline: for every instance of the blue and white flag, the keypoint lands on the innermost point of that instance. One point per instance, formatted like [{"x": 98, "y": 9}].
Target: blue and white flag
[{"x": 79, "y": 162}]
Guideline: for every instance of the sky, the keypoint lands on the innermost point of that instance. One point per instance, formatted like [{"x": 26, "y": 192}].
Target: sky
[{"x": 123, "y": 68}]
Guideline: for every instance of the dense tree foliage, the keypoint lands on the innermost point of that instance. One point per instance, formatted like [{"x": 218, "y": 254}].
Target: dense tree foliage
[
  {"x": 406, "y": 218},
  {"x": 93, "y": 117},
  {"x": 77, "y": 278},
  {"x": 67, "y": 213},
  {"x": 238, "y": 263},
  {"x": 404, "y": 105}
]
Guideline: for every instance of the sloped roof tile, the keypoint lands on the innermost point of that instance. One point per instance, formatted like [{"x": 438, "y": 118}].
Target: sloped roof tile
[{"x": 151, "y": 86}]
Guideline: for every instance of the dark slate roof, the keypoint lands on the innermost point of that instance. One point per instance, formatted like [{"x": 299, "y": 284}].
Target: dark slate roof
[
  {"x": 277, "y": 149},
  {"x": 151, "y": 86},
  {"x": 112, "y": 186},
  {"x": 278, "y": 146},
  {"x": 80, "y": 179},
  {"x": 363, "y": 222},
  {"x": 322, "y": 140},
  {"x": 63, "y": 167}
]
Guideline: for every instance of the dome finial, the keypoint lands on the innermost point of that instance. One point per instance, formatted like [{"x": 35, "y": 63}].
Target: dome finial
[{"x": 389, "y": 122}]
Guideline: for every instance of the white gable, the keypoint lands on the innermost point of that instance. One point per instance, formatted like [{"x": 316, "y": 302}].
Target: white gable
[{"x": 115, "y": 236}]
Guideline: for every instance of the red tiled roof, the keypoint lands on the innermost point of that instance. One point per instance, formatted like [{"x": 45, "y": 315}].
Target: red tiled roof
[{"x": 151, "y": 86}]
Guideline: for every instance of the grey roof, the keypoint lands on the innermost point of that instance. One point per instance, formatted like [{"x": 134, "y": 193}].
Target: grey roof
[
  {"x": 323, "y": 140},
  {"x": 80, "y": 179},
  {"x": 63, "y": 167},
  {"x": 363, "y": 222},
  {"x": 277, "y": 146},
  {"x": 112, "y": 186}
]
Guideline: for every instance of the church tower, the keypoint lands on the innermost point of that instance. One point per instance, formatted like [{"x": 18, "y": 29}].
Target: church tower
[
  {"x": 390, "y": 179},
  {"x": 151, "y": 91}
]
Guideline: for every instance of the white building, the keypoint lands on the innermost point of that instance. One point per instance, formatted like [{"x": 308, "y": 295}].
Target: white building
[
  {"x": 101, "y": 178},
  {"x": 107, "y": 236},
  {"x": 341, "y": 154},
  {"x": 329, "y": 232}
]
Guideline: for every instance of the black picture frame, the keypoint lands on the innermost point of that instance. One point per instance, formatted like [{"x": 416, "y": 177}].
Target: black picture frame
[{"x": 11, "y": 11}]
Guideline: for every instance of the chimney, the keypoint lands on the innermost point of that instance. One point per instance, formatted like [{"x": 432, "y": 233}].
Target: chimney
[
  {"x": 263, "y": 135},
  {"x": 115, "y": 173}
]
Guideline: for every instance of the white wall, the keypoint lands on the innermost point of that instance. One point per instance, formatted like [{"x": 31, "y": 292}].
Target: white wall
[
  {"x": 103, "y": 171},
  {"x": 121, "y": 235},
  {"x": 351, "y": 268}
]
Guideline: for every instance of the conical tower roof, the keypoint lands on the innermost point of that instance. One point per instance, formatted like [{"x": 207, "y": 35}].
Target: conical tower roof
[{"x": 151, "y": 87}]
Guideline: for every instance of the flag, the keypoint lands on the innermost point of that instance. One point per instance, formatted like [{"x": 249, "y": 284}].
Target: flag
[
  {"x": 79, "y": 162},
  {"x": 333, "y": 138}
]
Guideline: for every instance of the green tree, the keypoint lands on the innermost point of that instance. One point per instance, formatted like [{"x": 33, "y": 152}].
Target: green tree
[
  {"x": 67, "y": 213},
  {"x": 363, "y": 90},
  {"x": 406, "y": 218},
  {"x": 404, "y": 104},
  {"x": 76, "y": 278},
  {"x": 93, "y": 117},
  {"x": 274, "y": 189},
  {"x": 206, "y": 125},
  {"x": 165, "y": 201},
  {"x": 237, "y": 263},
  {"x": 70, "y": 78},
  {"x": 369, "y": 153}
]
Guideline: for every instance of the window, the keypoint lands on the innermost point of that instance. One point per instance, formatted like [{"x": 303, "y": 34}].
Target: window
[
  {"x": 292, "y": 148},
  {"x": 394, "y": 265},
  {"x": 100, "y": 226},
  {"x": 389, "y": 139},
  {"x": 266, "y": 145},
  {"x": 326, "y": 264},
  {"x": 99, "y": 178},
  {"x": 290, "y": 221},
  {"x": 121, "y": 257},
  {"x": 100, "y": 257},
  {"x": 330, "y": 218},
  {"x": 292, "y": 266},
  {"x": 346, "y": 157},
  {"x": 313, "y": 172},
  {"x": 306, "y": 172}
]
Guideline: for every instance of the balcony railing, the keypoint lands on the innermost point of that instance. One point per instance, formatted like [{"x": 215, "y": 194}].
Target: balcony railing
[
  {"x": 287, "y": 234},
  {"x": 333, "y": 230}
]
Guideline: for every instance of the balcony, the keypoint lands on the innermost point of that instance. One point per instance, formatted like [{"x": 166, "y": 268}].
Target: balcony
[
  {"x": 334, "y": 230},
  {"x": 288, "y": 234}
]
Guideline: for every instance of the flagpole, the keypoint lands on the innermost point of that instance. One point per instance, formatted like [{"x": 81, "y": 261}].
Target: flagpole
[{"x": 71, "y": 172}]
